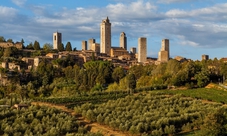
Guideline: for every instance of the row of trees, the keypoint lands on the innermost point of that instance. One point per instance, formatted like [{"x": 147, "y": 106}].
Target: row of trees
[
  {"x": 156, "y": 114},
  {"x": 102, "y": 75},
  {"x": 39, "y": 121},
  {"x": 36, "y": 46}
]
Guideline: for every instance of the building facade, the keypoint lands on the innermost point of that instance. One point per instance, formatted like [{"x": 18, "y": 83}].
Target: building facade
[
  {"x": 57, "y": 40},
  {"x": 84, "y": 45},
  {"x": 118, "y": 51},
  {"x": 90, "y": 42},
  {"x": 133, "y": 50},
  {"x": 205, "y": 57},
  {"x": 105, "y": 36},
  {"x": 95, "y": 47},
  {"x": 142, "y": 49},
  {"x": 123, "y": 41}
]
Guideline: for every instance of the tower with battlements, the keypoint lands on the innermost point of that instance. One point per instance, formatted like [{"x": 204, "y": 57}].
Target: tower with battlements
[{"x": 105, "y": 36}]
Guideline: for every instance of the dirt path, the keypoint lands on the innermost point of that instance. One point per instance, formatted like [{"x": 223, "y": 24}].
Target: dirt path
[{"x": 95, "y": 127}]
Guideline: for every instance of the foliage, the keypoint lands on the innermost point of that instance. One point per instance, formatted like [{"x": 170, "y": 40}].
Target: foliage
[
  {"x": 215, "y": 123},
  {"x": 11, "y": 52},
  {"x": 30, "y": 46},
  {"x": 39, "y": 120},
  {"x": 68, "y": 46},
  {"x": 96, "y": 72},
  {"x": 47, "y": 47},
  {"x": 10, "y": 40},
  {"x": 94, "y": 97},
  {"x": 153, "y": 113},
  {"x": 131, "y": 82},
  {"x": 210, "y": 94},
  {"x": 61, "y": 47},
  {"x": 2, "y": 39},
  {"x": 118, "y": 74},
  {"x": 36, "y": 45}
]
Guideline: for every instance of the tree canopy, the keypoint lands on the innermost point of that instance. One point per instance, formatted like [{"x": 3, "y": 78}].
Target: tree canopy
[
  {"x": 68, "y": 46},
  {"x": 36, "y": 45}
]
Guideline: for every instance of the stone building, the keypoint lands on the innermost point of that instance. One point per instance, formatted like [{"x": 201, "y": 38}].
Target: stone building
[
  {"x": 11, "y": 65},
  {"x": 123, "y": 41},
  {"x": 95, "y": 47},
  {"x": 84, "y": 45},
  {"x": 105, "y": 36},
  {"x": 57, "y": 40},
  {"x": 205, "y": 57},
  {"x": 38, "y": 59},
  {"x": 53, "y": 55},
  {"x": 163, "y": 55},
  {"x": 29, "y": 61},
  {"x": 118, "y": 51},
  {"x": 142, "y": 49},
  {"x": 90, "y": 42},
  {"x": 133, "y": 50}
]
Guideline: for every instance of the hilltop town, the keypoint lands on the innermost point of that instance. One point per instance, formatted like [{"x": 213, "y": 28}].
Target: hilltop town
[
  {"x": 29, "y": 58},
  {"x": 98, "y": 82},
  {"x": 119, "y": 56}
]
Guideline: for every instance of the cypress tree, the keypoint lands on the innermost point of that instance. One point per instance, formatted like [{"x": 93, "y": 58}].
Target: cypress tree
[
  {"x": 61, "y": 47},
  {"x": 36, "y": 45},
  {"x": 68, "y": 47}
]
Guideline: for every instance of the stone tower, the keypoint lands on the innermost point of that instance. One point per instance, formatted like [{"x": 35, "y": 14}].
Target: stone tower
[
  {"x": 123, "y": 41},
  {"x": 205, "y": 57},
  {"x": 105, "y": 36},
  {"x": 90, "y": 42},
  {"x": 84, "y": 45},
  {"x": 133, "y": 50},
  {"x": 142, "y": 49},
  {"x": 95, "y": 47},
  {"x": 163, "y": 55},
  {"x": 57, "y": 40}
]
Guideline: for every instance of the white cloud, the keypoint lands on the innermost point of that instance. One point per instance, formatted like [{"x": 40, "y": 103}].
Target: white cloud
[
  {"x": 138, "y": 9},
  {"x": 188, "y": 43},
  {"x": 172, "y": 1},
  {"x": 204, "y": 27},
  {"x": 176, "y": 13},
  {"x": 19, "y": 3},
  {"x": 7, "y": 12},
  {"x": 215, "y": 13}
]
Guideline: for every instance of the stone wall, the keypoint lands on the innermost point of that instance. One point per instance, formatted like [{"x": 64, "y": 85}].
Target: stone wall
[{"x": 18, "y": 45}]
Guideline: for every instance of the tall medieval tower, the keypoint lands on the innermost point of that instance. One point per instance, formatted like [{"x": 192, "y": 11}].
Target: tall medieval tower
[
  {"x": 123, "y": 41},
  {"x": 142, "y": 49},
  {"x": 105, "y": 36},
  {"x": 57, "y": 40},
  {"x": 163, "y": 55}
]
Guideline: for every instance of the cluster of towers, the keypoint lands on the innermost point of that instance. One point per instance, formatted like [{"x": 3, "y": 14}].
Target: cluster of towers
[{"x": 105, "y": 44}]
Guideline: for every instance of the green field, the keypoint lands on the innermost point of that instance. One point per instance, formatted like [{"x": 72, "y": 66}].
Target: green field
[{"x": 210, "y": 94}]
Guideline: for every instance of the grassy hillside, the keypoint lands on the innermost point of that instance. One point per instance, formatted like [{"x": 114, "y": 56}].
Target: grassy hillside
[{"x": 210, "y": 94}]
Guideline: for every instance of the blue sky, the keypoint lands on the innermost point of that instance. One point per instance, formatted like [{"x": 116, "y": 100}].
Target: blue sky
[{"x": 194, "y": 27}]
